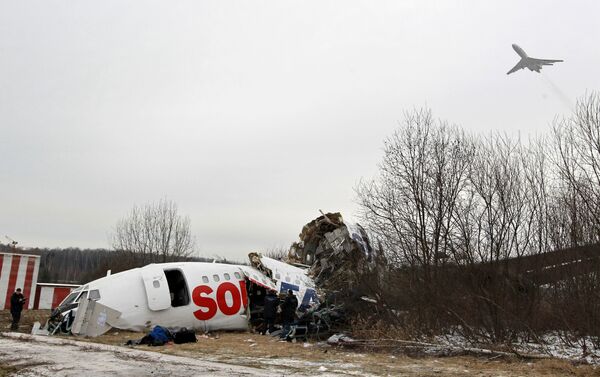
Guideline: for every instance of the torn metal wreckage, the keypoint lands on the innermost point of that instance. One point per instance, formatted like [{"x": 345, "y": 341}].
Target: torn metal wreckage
[
  {"x": 337, "y": 253},
  {"x": 215, "y": 296}
]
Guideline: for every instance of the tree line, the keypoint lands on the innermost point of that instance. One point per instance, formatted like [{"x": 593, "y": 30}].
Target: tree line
[
  {"x": 78, "y": 266},
  {"x": 452, "y": 209},
  {"x": 151, "y": 233}
]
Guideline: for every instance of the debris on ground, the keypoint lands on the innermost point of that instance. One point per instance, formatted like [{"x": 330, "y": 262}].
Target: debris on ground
[
  {"x": 159, "y": 336},
  {"x": 227, "y": 353},
  {"x": 340, "y": 339}
]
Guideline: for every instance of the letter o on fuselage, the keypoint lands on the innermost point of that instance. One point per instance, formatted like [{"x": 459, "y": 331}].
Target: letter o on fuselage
[{"x": 235, "y": 295}]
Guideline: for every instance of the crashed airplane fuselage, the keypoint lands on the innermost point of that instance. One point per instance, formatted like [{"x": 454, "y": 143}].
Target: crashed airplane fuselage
[
  {"x": 195, "y": 295},
  {"x": 215, "y": 296}
]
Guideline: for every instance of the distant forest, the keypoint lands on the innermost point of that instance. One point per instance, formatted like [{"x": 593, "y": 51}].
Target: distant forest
[{"x": 78, "y": 266}]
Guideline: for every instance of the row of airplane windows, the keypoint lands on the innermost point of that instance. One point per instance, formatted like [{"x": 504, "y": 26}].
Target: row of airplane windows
[
  {"x": 287, "y": 279},
  {"x": 226, "y": 276}
]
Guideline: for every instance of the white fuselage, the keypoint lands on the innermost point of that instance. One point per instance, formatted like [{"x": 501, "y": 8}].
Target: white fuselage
[
  {"x": 519, "y": 51},
  {"x": 195, "y": 295}
]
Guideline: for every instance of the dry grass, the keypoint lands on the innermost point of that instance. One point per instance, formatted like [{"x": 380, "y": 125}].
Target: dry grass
[
  {"x": 262, "y": 351},
  {"x": 28, "y": 317},
  {"x": 7, "y": 370},
  {"x": 257, "y": 351}
]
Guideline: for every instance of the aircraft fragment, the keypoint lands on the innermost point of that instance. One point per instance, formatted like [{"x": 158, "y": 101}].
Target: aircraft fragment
[
  {"x": 337, "y": 339},
  {"x": 338, "y": 253},
  {"x": 93, "y": 319}
]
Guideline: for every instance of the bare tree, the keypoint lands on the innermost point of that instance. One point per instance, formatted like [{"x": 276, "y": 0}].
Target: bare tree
[
  {"x": 279, "y": 253},
  {"x": 498, "y": 223},
  {"x": 411, "y": 205},
  {"x": 538, "y": 180},
  {"x": 154, "y": 232},
  {"x": 576, "y": 214},
  {"x": 577, "y": 158},
  {"x": 501, "y": 216},
  {"x": 472, "y": 227},
  {"x": 451, "y": 210}
]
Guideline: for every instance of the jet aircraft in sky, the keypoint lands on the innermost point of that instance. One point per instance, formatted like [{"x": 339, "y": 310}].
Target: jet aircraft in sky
[{"x": 532, "y": 64}]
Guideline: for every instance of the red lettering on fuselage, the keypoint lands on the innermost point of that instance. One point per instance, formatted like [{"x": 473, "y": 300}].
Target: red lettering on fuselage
[
  {"x": 204, "y": 302},
  {"x": 244, "y": 293},
  {"x": 235, "y": 295},
  {"x": 209, "y": 306}
]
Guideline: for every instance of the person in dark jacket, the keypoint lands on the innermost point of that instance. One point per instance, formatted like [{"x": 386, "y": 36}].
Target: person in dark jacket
[
  {"x": 16, "y": 307},
  {"x": 270, "y": 311},
  {"x": 288, "y": 312}
]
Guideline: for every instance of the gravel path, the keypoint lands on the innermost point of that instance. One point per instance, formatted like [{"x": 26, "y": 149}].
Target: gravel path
[{"x": 45, "y": 356}]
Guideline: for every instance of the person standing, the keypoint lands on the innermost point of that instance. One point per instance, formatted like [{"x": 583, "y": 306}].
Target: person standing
[
  {"x": 288, "y": 312},
  {"x": 16, "y": 307},
  {"x": 270, "y": 311}
]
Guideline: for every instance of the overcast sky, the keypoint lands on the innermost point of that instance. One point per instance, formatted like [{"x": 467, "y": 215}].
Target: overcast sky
[{"x": 253, "y": 115}]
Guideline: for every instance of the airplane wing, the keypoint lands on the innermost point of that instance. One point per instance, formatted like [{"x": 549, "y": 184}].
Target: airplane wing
[
  {"x": 519, "y": 65},
  {"x": 545, "y": 61}
]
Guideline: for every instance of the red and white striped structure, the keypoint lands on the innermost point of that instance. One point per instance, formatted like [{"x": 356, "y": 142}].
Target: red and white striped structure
[
  {"x": 18, "y": 271},
  {"x": 48, "y": 296}
]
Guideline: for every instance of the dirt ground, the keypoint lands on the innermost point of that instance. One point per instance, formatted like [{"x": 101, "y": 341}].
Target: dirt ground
[{"x": 313, "y": 358}]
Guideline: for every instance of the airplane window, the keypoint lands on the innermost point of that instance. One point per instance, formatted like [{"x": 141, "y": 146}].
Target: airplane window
[
  {"x": 156, "y": 284},
  {"x": 205, "y": 279},
  {"x": 94, "y": 295},
  {"x": 297, "y": 282},
  {"x": 287, "y": 278},
  {"x": 277, "y": 276},
  {"x": 178, "y": 288},
  {"x": 72, "y": 300},
  {"x": 216, "y": 277},
  {"x": 82, "y": 296},
  {"x": 237, "y": 275},
  {"x": 226, "y": 276}
]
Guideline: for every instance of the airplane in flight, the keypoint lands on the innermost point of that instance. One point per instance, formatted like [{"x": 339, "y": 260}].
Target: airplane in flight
[
  {"x": 532, "y": 64},
  {"x": 196, "y": 295}
]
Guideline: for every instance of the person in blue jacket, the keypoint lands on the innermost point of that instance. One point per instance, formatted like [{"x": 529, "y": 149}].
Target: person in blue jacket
[{"x": 270, "y": 311}]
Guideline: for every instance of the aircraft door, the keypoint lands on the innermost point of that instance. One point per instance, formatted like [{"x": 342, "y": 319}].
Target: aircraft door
[{"x": 157, "y": 288}]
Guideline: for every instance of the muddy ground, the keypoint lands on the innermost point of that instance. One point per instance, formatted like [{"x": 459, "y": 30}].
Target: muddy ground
[{"x": 312, "y": 358}]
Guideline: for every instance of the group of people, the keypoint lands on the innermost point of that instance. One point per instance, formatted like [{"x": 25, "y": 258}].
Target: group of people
[
  {"x": 288, "y": 308},
  {"x": 272, "y": 305},
  {"x": 16, "y": 307}
]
